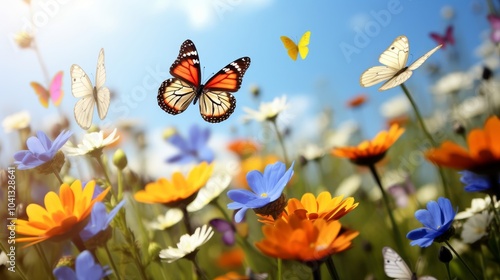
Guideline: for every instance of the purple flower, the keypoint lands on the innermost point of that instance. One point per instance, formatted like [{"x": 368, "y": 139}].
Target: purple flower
[
  {"x": 40, "y": 150},
  {"x": 226, "y": 228},
  {"x": 474, "y": 182},
  {"x": 99, "y": 220},
  {"x": 85, "y": 269},
  {"x": 194, "y": 148},
  {"x": 437, "y": 220},
  {"x": 266, "y": 188},
  {"x": 495, "y": 28}
]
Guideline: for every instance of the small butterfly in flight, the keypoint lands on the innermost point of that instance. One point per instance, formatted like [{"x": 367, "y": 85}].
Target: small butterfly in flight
[
  {"x": 394, "y": 70},
  {"x": 54, "y": 92},
  {"x": 216, "y": 101},
  {"x": 90, "y": 95},
  {"x": 396, "y": 268},
  {"x": 446, "y": 39},
  {"x": 295, "y": 49}
]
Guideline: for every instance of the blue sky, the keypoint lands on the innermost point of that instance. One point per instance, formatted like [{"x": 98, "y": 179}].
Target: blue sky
[{"x": 142, "y": 39}]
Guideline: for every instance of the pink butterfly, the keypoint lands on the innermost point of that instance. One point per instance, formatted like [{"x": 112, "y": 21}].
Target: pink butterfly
[
  {"x": 446, "y": 39},
  {"x": 495, "y": 28},
  {"x": 55, "y": 92}
]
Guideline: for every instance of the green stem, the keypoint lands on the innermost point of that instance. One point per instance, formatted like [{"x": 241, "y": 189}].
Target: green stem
[
  {"x": 45, "y": 262},
  {"x": 105, "y": 171},
  {"x": 331, "y": 268},
  {"x": 187, "y": 221},
  {"x": 280, "y": 140},
  {"x": 199, "y": 271},
  {"x": 226, "y": 216},
  {"x": 448, "y": 270},
  {"x": 58, "y": 176},
  {"x": 395, "y": 228},
  {"x": 427, "y": 134},
  {"x": 316, "y": 272},
  {"x": 460, "y": 258},
  {"x": 120, "y": 185},
  {"x": 280, "y": 269},
  {"x": 18, "y": 268},
  {"x": 113, "y": 265},
  {"x": 78, "y": 242},
  {"x": 495, "y": 212}
]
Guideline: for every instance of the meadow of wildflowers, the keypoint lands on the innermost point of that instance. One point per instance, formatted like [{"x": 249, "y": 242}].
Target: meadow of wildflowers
[{"x": 418, "y": 198}]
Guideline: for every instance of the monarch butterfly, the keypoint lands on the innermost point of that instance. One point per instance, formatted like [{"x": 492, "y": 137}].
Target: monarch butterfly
[
  {"x": 446, "y": 39},
  {"x": 54, "y": 92},
  {"x": 82, "y": 87},
  {"x": 394, "y": 68},
  {"x": 216, "y": 101},
  {"x": 295, "y": 49}
]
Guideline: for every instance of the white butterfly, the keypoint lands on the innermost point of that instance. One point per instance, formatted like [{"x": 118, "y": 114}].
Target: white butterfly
[
  {"x": 82, "y": 87},
  {"x": 396, "y": 268},
  {"x": 395, "y": 70}
]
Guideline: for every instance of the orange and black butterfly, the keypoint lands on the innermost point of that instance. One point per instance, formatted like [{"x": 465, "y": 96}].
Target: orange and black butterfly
[{"x": 216, "y": 101}]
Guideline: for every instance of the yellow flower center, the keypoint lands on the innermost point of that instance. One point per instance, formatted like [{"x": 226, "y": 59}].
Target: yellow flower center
[{"x": 264, "y": 195}]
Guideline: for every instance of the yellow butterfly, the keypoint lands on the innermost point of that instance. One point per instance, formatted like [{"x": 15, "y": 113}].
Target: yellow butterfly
[{"x": 294, "y": 49}]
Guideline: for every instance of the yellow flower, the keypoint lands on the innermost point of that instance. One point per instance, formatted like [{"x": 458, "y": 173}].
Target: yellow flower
[
  {"x": 64, "y": 215},
  {"x": 178, "y": 192},
  {"x": 370, "y": 152}
]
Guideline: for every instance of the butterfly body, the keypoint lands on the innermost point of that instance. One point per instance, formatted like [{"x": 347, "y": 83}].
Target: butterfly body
[
  {"x": 90, "y": 95},
  {"x": 394, "y": 70},
  {"x": 216, "y": 102}
]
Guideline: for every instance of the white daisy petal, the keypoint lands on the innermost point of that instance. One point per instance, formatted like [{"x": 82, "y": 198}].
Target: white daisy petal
[{"x": 187, "y": 244}]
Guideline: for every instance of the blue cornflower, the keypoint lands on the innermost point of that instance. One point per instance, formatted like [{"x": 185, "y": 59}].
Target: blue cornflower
[
  {"x": 437, "y": 220},
  {"x": 267, "y": 188},
  {"x": 99, "y": 220},
  {"x": 85, "y": 269},
  {"x": 194, "y": 148},
  {"x": 474, "y": 182},
  {"x": 40, "y": 150}
]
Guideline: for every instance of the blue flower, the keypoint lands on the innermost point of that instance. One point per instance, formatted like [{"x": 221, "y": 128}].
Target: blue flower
[
  {"x": 194, "y": 148},
  {"x": 437, "y": 220},
  {"x": 266, "y": 188},
  {"x": 99, "y": 220},
  {"x": 40, "y": 150},
  {"x": 85, "y": 269},
  {"x": 474, "y": 182}
]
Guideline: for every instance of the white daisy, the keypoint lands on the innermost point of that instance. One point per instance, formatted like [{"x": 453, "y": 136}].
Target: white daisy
[
  {"x": 16, "y": 121},
  {"x": 476, "y": 227},
  {"x": 170, "y": 218},
  {"x": 477, "y": 205},
  {"x": 312, "y": 152},
  {"x": 214, "y": 187},
  {"x": 3, "y": 259},
  {"x": 395, "y": 107},
  {"x": 91, "y": 142},
  {"x": 453, "y": 83},
  {"x": 267, "y": 111},
  {"x": 349, "y": 185},
  {"x": 188, "y": 244}
]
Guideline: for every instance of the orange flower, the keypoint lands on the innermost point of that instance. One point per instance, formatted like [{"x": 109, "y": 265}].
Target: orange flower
[
  {"x": 243, "y": 148},
  {"x": 231, "y": 259},
  {"x": 178, "y": 192},
  {"x": 357, "y": 101},
  {"x": 484, "y": 150},
  {"x": 304, "y": 240},
  {"x": 370, "y": 152},
  {"x": 232, "y": 276},
  {"x": 323, "y": 207},
  {"x": 64, "y": 215}
]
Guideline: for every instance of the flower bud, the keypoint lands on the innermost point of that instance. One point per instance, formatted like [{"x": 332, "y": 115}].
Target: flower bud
[
  {"x": 120, "y": 159},
  {"x": 445, "y": 255},
  {"x": 255, "y": 91},
  {"x": 23, "y": 39},
  {"x": 154, "y": 251}
]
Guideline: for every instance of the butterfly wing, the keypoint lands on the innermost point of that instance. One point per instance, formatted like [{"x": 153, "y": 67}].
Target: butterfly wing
[
  {"x": 292, "y": 48},
  {"x": 396, "y": 55},
  {"x": 449, "y": 35},
  {"x": 84, "y": 109},
  {"x": 439, "y": 39},
  {"x": 423, "y": 58},
  {"x": 175, "y": 95},
  {"x": 376, "y": 75},
  {"x": 303, "y": 44},
  {"x": 398, "y": 79},
  {"x": 216, "y": 101},
  {"x": 103, "y": 96},
  {"x": 394, "y": 266},
  {"x": 426, "y": 278},
  {"x": 187, "y": 65},
  {"x": 82, "y": 87},
  {"x": 43, "y": 94},
  {"x": 55, "y": 89}
]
